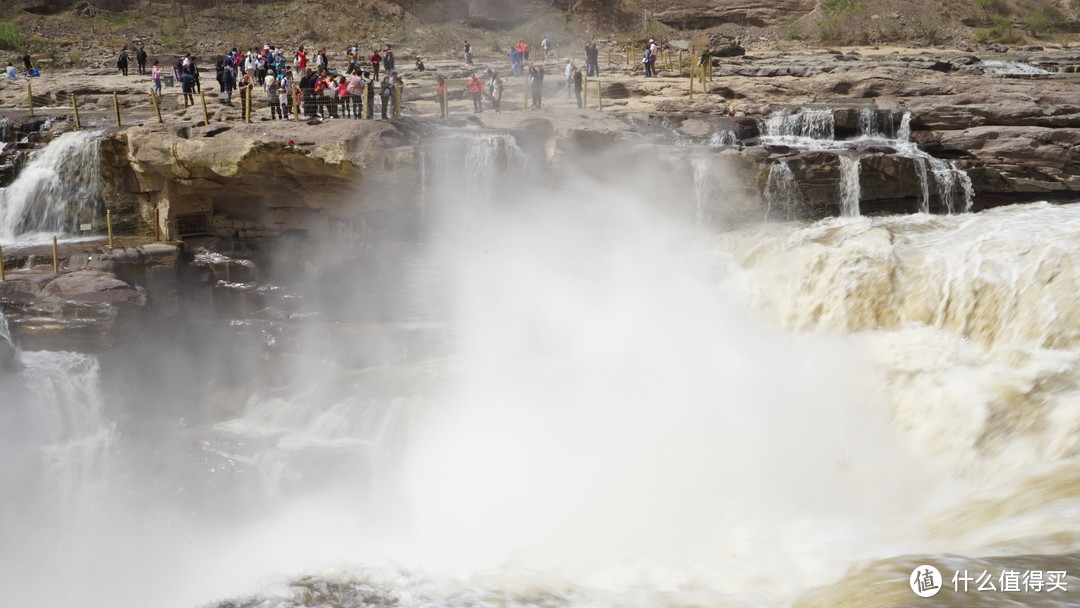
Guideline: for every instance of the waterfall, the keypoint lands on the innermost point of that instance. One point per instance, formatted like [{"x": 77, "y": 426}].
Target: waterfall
[
  {"x": 472, "y": 162},
  {"x": 869, "y": 124},
  {"x": 5, "y": 329},
  {"x": 702, "y": 187},
  {"x": 953, "y": 185},
  {"x": 56, "y": 190},
  {"x": 924, "y": 183},
  {"x": 722, "y": 138},
  {"x": 850, "y": 190},
  {"x": 68, "y": 406},
  {"x": 904, "y": 133},
  {"x": 805, "y": 123},
  {"x": 782, "y": 190}
]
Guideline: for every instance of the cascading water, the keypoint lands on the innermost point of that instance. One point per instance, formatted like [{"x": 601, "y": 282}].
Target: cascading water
[
  {"x": 1011, "y": 68},
  {"x": 869, "y": 123},
  {"x": 616, "y": 407},
  {"x": 850, "y": 189},
  {"x": 903, "y": 133},
  {"x": 953, "y": 185},
  {"x": 469, "y": 161},
  {"x": 723, "y": 138},
  {"x": 56, "y": 191},
  {"x": 782, "y": 191},
  {"x": 812, "y": 124},
  {"x": 703, "y": 188}
]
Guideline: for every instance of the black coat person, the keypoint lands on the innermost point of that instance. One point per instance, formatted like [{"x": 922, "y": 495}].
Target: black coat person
[
  {"x": 122, "y": 62},
  {"x": 140, "y": 60}
]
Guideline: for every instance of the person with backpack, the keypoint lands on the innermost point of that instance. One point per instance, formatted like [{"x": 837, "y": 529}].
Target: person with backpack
[
  {"x": 468, "y": 53},
  {"x": 187, "y": 87},
  {"x": 273, "y": 98},
  {"x": 122, "y": 61},
  {"x": 140, "y": 60},
  {"x": 285, "y": 93},
  {"x": 228, "y": 83}
]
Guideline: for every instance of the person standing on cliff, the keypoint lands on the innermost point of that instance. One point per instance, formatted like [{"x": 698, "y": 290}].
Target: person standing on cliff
[
  {"x": 577, "y": 80},
  {"x": 369, "y": 83},
  {"x": 468, "y": 53},
  {"x": 140, "y": 60},
  {"x": 388, "y": 59},
  {"x": 187, "y": 87},
  {"x": 155, "y": 74},
  {"x": 122, "y": 61},
  {"x": 592, "y": 59},
  {"x": 26, "y": 63},
  {"x": 536, "y": 78},
  {"x": 376, "y": 62},
  {"x": 475, "y": 87},
  {"x": 495, "y": 88}
]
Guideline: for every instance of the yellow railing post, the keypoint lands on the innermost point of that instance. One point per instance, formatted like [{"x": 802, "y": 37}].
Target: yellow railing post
[
  {"x": 30, "y": 97},
  {"x": 157, "y": 225},
  {"x": 116, "y": 106},
  {"x": 75, "y": 106},
  {"x": 108, "y": 226},
  {"x": 55, "y": 257},
  {"x": 2, "y": 279},
  {"x": 157, "y": 109},
  {"x": 247, "y": 103},
  {"x": 599, "y": 102},
  {"x": 205, "y": 114}
]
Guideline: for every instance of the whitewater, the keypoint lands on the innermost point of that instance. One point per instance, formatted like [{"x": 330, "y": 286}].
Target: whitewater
[{"x": 588, "y": 400}]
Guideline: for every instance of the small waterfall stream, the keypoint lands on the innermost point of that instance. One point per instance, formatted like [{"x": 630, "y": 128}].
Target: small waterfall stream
[
  {"x": 56, "y": 191},
  {"x": 814, "y": 129}
]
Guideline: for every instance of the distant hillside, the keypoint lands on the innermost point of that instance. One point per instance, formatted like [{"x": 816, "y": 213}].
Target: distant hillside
[{"x": 91, "y": 32}]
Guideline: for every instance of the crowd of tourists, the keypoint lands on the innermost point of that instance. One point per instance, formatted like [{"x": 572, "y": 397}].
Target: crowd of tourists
[{"x": 302, "y": 82}]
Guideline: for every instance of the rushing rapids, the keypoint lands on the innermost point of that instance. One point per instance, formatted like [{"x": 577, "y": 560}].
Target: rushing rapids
[{"x": 576, "y": 397}]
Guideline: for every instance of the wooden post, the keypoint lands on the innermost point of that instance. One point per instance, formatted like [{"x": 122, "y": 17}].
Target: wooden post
[
  {"x": 2, "y": 279},
  {"x": 444, "y": 106},
  {"x": 55, "y": 257},
  {"x": 585, "y": 88},
  {"x": 247, "y": 104},
  {"x": 157, "y": 225},
  {"x": 30, "y": 97},
  {"x": 691, "y": 77},
  {"x": 397, "y": 101},
  {"x": 680, "y": 60},
  {"x": 157, "y": 109},
  {"x": 116, "y": 106},
  {"x": 599, "y": 102},
  {"x": 108, "y": 226},
  {"x": 75, "y": 106},
  {"x": 628, "y": 55},
  {"x": 205, "y": 114}
]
